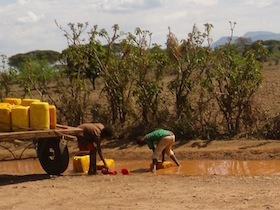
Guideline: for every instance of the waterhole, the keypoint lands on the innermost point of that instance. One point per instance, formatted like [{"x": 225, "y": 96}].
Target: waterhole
[{"x": 188, "y": 167}]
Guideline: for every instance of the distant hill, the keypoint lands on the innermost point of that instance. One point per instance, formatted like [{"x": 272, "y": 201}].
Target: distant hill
[{"x": 254, "y": 35}]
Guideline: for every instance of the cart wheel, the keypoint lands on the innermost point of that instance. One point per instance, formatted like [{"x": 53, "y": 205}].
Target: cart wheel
[{"x": 53, "y": 156}]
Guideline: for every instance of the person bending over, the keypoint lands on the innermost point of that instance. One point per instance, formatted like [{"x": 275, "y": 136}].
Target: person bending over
[
  {"x": 90, "y": 140},
  {"x": 164, "y": 139}
]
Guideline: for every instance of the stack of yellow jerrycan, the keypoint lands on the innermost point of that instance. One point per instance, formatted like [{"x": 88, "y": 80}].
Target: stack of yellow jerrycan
[
  {"x": 162, "y": 165},
  {"x": 26, "y": 114},
  {"x": 81, "y": 163},
  {"x": 5, "y": 117},
  {"x": 28, "y": 101},
  {"x": 12, "y": 101},
  {"x": 53, "y": 119},
  {"x": 39, "y": 116},
  {"x": 20, "y": 118},
  {"x": 110, "y": 163}
]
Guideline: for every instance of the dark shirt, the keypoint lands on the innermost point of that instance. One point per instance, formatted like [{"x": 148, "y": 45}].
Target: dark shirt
[{"x": 91, "y": 135}]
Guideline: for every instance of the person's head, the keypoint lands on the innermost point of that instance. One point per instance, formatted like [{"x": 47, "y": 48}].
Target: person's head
[
  {"x": 140, "y": 140},
  {"x": 106, "y": 133}
]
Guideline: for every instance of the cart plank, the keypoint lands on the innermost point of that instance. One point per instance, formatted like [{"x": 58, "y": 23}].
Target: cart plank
[{"x": 60, "y": 130}]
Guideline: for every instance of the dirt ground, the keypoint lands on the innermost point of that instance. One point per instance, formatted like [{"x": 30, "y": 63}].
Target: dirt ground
[
  {"x": 154, "y": 191},
  {"x": 147, "y": 190}
]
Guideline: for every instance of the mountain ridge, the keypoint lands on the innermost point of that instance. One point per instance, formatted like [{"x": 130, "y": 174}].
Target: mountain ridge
[{"x": 254, "y": 35}]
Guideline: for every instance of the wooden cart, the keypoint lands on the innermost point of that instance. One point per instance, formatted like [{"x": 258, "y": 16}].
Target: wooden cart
[{"x": 50, "y": 145}]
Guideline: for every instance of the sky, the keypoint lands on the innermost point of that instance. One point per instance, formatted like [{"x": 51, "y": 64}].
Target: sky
[{"x": 27, "y": 25}]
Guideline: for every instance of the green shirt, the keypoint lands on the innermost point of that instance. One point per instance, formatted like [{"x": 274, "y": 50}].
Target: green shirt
[{"x": 156, "y": 136}]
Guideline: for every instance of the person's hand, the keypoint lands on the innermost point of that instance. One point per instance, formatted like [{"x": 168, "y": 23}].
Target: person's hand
[{"x": 106, "y": 167}]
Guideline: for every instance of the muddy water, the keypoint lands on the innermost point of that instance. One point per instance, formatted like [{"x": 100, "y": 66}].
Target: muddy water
[
  {"x": 28, "y": 166},
  {"x": 188, "y": 167},
  {"x": 213, "y": 167}
]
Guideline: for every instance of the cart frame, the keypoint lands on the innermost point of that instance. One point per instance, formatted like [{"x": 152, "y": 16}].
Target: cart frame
[{"x": 51, "y": 145}]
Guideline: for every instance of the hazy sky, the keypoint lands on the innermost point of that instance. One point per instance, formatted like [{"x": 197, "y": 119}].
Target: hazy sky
[{"x": 28, "y": 25}]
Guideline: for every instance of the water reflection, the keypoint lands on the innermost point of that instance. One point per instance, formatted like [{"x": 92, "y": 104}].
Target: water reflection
[
  {"x": 28, "y": 166},
  {"x": 188, "y": 167},
  {"x": 226, "y": 167}
]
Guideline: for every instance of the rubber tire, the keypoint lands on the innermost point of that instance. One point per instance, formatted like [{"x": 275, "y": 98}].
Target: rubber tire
[{"x": 52, "y": 159}]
